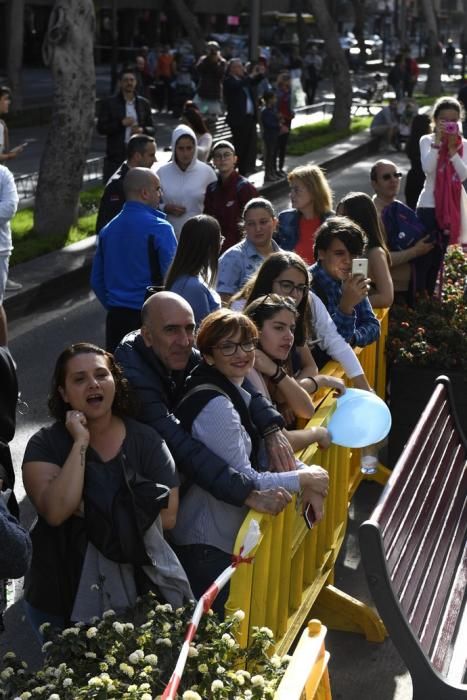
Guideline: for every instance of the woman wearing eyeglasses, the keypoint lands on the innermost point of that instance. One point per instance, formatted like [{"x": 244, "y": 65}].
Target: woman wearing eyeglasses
[
  {"x": 215, "y": 411},
  {"x": 193, "y": 271},
  {"x": 286, "y": 274},
  {"x": 311, "y": 199}
]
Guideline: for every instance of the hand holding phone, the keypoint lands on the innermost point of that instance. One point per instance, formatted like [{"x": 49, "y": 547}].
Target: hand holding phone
[
  {"x": 360, "y": 266},
  {"x": 309, "y": 516}
]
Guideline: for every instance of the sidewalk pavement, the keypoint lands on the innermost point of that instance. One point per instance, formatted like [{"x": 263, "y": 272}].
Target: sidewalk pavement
[{"x": 70, "y": 267}]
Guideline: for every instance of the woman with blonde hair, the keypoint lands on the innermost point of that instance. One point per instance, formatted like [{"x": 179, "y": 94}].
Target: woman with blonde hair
[{"x": 311, "y": 199}]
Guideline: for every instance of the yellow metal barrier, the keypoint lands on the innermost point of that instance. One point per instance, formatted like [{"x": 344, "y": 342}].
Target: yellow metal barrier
[
  {"x": 307, "y": 676},
  {"x": 293, "y": 567}
]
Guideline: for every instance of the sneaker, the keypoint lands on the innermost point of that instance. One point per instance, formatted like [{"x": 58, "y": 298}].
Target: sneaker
[
  {"x": 12, "y": 286},
  {"x": 369, "y": 465}
]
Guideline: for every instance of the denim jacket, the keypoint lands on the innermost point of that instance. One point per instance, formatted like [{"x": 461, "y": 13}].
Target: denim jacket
[{"x": 288, "y": 230}]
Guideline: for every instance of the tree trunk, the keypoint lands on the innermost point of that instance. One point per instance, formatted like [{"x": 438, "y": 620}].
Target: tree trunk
[
  {"x": 434, "y": 56},
  {"x": 15, "y": 33},
  {"x": 359, "y": 13},
  {"x": 191, "y": 26},
  {"x": 339, "y": 67},
  {"x": 68, "y": 49}
]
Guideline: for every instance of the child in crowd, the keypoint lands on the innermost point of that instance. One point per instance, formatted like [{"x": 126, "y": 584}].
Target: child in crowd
[{"x": 271, "y": 125}]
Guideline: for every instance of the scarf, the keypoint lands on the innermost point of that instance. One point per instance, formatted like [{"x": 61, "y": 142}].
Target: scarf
[{"x": 448, "y": 194}]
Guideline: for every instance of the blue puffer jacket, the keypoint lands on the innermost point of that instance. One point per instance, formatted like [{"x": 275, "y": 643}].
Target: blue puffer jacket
[
  {"x": 158, "y": 394},
  {"x": 287, "y": 233}
]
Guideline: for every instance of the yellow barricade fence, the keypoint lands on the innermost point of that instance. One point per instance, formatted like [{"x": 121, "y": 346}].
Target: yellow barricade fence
[
  {"x": 293, "y": 568},
  {"x": 307, "y": 676}
]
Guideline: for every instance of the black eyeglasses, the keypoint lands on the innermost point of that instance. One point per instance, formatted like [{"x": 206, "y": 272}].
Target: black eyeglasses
[
  {"x": 388, "y": 176},
  {"x": 230, "y": 348},
  {"x": 288, "y": 287}
]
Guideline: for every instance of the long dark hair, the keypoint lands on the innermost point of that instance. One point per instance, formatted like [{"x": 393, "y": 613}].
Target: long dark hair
[
  {"x": 193, "y": 117},
  {"x": 197, "y": 250},
  {"x": 421, "y": 125},
  {"x": 123, "y": 403},
  {"x": 261, "y": 284},
  {"x": 359, "y": 207}
]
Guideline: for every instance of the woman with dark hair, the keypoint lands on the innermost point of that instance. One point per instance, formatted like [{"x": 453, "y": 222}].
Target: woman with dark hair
[
  {"x": 286, "y": 274},
  {"x": 215, "y": 411},
  {"x": 441, "y": 206},
  {"x": 421, "y": 124},
  {"x": 91, "y": 404},
  {"x": 275, "y": 318},
  {"x": 191, "y": 116},
  {"x": 193, "y": 271},
  {"x": 5, "y": 152},
  {"x": 359, "y": 207}
]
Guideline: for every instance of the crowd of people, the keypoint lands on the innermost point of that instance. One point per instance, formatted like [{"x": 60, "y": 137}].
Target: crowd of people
[{"x": 220, "y": 315}]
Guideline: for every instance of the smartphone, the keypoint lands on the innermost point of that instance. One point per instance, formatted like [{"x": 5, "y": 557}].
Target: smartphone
[
  {"x": 309, "y": 516},
  {"x": 360, "y": 266},
  {"x": 450, "y": 127}
]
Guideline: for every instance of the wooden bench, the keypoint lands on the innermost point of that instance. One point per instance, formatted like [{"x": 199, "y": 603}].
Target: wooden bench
[{"x": 414, "y": 552}]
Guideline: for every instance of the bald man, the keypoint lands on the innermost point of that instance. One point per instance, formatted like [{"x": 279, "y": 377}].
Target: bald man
[
  {"x": 156, "y": 360},
  {"x": 134, "y": 251}
]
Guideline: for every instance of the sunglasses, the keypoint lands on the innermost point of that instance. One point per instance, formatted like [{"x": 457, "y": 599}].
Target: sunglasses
[{"x": 388, "y": 176}]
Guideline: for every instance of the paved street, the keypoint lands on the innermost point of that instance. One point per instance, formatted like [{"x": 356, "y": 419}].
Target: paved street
[{"x": 359, "y": 670}]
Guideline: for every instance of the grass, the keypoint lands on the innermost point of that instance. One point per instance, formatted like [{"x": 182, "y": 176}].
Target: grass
[
  {"x": 28, "y": 245},
  {"x": 310, "y": 137}
]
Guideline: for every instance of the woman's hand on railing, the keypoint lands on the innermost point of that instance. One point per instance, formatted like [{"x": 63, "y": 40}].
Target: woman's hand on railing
[
  {"x": 321, "y": 436},
  {"x": 325, "y": 380}
]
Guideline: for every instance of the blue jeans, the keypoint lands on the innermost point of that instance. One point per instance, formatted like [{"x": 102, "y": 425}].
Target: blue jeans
[
  {"x": 37, "y": 617},
  {"x": 203, "y": 564}
]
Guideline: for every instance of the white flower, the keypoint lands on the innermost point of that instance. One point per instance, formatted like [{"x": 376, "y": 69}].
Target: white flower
[
  {"x": 216, "y": 685},
  {"x": 151, "y": 659},
  {"x": 111, "y": 660},
  {"x": 257, "y": 681},
  {"x": 89, "y": 655},
  {"x": 129, "y": 626},
  {"x": 95, "y": 587},
  {"x": 133, "y": 658},
  {"x": 267, "y": 632},
  {"x": 145, "y": 686},
  {"x": 7, "y": 673},
  {"x": 220, "y": 670},
  {"x": 118, "y": 627},
  {"x": 203, "y": 668},
  {"x": 230, "y": 641},
  {"x": 26, "y": 695},
  {"x": 54, "y": 696},
  {"x": 146, "y": 696},
  {"x": 275, "y": 661},
  {"x": 132, "y": 688},
  {"x": 91, "y": 632},
  {"x": 70, "y": 631},
  {"x": 108, "y": 613},
  {"x": 239, "y": 615},
  {"x": 128, "y": 670},
  {"x": 95, "y": 682},
  {"x": 67, "y": 682},
  {"x": 42, "y": 628},
  {"x": 166, "y": 627},
  {"x": 192, "y": 652},
  {"x": 191, "y": 695}
]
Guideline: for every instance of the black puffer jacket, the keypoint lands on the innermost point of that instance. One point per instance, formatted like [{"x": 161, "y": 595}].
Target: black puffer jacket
[{"x": 159, "y": 394}]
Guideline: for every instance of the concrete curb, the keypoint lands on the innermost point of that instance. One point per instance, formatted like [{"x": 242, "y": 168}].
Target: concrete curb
[{"x": 52, "y": 275}]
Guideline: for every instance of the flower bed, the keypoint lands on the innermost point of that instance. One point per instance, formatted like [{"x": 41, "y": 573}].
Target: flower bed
[{"x": 133, "y": 658}]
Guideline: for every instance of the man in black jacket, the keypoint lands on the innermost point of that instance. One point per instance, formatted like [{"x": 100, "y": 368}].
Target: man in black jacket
[
  {"x": 120, "y": 117},
  {"x": 140, "y": 153},
  {"x": 156, "y": 360}
]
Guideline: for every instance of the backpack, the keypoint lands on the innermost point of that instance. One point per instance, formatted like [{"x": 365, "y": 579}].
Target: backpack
[{"x": 402, "y": 225}]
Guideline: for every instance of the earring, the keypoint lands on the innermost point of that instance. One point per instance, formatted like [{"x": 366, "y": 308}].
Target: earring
[{"x": 209, "y": 364}]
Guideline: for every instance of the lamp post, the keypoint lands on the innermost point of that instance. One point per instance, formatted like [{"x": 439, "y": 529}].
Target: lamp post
[{"x": 255, "y": 18}]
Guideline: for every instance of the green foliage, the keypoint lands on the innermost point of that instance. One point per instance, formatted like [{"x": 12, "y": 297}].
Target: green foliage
[
  {"x": 28, "y": 245},
  {"x": 310, "y": 137},
  {"x": 434, "y": 333},
  {"x": 133, "y": 659}
]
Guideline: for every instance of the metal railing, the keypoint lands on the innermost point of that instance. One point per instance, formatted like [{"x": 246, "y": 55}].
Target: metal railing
[{"x": 26, "y": 185}]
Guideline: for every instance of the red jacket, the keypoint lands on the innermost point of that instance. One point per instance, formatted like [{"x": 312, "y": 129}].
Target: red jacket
[{"x": 225, "y": 201}]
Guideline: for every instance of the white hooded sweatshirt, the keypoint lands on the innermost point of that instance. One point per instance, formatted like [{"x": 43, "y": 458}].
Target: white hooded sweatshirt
[{"x": 184, "y": 188}]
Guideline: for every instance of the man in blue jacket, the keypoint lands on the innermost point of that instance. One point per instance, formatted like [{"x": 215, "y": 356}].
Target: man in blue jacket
[
  {"x": 134, "y": 251},
  {"x": 156, "y": 361}
]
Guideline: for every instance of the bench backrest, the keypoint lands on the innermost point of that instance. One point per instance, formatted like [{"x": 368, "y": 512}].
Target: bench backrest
[{"x": 414, "y": 545}]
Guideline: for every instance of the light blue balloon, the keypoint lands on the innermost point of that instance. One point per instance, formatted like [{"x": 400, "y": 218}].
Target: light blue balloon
[{"x": 360, "y": 419}]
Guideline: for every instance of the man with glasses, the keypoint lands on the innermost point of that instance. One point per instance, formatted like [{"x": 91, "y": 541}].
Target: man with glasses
[
  {"x": 134, "y": 251},
  {"x": 156, "y": 361},
  {"x": 226, "y": 197},
  {"x": 405, "y": 236}
]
